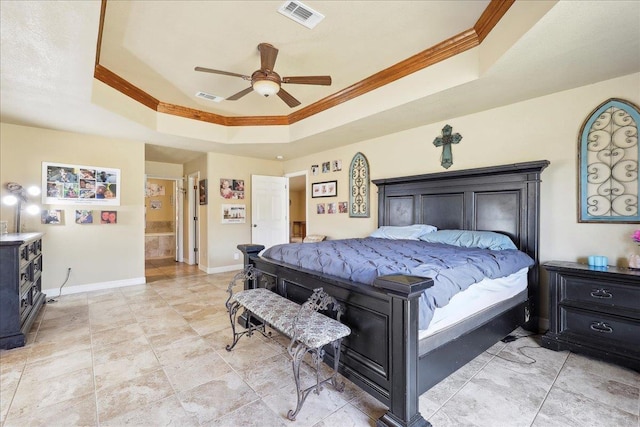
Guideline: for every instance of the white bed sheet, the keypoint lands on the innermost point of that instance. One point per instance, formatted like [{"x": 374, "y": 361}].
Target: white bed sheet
[{"x": 476, "y": 298}]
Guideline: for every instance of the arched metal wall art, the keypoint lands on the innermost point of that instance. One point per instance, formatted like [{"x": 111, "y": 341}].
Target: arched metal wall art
[
  {"x": 608, "y": 164},
  {"x": 359, "y": 187}
]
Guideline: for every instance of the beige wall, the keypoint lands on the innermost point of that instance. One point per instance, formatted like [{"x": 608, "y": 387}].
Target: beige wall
[
  {"x": 109, "y": 255},
  {"x": 541, "y": 128},
  {"x": 163, "y": 170},
  {"x": 223, "y": 238}
]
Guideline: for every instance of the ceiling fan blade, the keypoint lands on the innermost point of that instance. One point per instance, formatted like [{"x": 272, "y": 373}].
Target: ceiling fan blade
[
  {"x": 288, "y": 98},
  {"x": 240, "y": 94},
  {"x": 226, "y": 73},
  {"x": 268, "y": 55},
  {"x": 308, "y": 80}
]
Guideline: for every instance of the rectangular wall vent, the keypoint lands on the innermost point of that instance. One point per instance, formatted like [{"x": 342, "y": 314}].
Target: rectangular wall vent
[
  {"x": 301, "y": 13},
  {"x": 209, "y": 97}
]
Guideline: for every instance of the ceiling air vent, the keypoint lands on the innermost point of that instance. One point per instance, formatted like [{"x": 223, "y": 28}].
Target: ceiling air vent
[
  {"x": 209, "y": 97},
  {"x": 301, "y": 13}
]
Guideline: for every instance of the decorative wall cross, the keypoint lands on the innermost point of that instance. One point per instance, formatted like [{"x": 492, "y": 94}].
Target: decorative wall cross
[{"x": 446, "y": 160}]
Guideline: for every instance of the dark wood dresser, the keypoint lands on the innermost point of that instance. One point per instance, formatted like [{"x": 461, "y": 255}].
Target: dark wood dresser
[
  {"x": 594, "y": 311},
  {"x": 21, "y": 294}
]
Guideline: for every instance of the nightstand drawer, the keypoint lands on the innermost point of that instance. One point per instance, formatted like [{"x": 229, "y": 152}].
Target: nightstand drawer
[
  {"x": 600, "y": 326},
  {"x": 600, "y": 292}
]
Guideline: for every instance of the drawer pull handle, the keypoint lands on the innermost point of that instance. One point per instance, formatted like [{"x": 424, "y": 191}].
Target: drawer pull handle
[
  {"x": 601, "y": 327},
  {"x": 601, "y": 293}
]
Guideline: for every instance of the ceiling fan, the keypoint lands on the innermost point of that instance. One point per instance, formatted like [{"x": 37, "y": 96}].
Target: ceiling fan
[{"x": 267, "y": 82}]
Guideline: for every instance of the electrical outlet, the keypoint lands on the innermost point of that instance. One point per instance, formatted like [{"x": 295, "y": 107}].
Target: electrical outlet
[{"x": 236, "y": 255}]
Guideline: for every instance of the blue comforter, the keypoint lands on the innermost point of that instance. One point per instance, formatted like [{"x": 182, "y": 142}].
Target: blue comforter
[{"x": 452, "y": 268}]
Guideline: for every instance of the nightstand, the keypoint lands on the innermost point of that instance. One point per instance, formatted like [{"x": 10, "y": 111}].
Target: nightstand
[{"x": 594, "y": 311}]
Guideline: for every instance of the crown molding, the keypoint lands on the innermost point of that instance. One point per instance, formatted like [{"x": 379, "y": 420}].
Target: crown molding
[{"x": 446, "y": 49}]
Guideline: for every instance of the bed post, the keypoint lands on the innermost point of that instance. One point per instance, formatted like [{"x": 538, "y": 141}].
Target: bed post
[
  {"x": 404, "y": 292},
  {"x": 248, "y": 250}
]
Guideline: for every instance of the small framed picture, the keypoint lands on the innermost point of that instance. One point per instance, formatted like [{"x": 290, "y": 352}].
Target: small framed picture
[
  {"x": 53, "y": 216},
  {"x": 324, "y": 189},
  {"x": 84, "y": 217},
  {"x": 326, "y": 167},
  {"x": 108, "y": 217},
  {"x": 320, "y": 209},
  {"x": 202, "y": 188}
]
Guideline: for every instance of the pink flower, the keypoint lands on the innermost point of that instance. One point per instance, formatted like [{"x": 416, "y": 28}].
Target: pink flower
[{"x": 636, "y": 236}]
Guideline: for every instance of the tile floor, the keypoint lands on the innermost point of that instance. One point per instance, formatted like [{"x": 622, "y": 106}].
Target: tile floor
[{"x": 154, "y": 354}]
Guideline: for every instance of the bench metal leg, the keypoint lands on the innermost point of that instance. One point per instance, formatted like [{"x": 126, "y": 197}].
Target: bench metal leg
[
  {"x": 248, "y": 276},
  {"x": 233, "y": 312},
  {"x": 297, "y": 353},
  {"x": 336, "y": 363}
]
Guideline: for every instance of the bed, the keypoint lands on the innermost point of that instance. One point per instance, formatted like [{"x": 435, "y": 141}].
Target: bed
[{"x": 385, "y": 354}]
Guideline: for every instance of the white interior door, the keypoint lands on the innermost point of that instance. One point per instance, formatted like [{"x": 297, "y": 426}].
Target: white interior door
[{"x": 269, "y": 210}]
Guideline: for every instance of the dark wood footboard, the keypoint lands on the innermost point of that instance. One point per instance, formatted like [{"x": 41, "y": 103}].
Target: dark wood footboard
[{"x": 381, "y": 354}]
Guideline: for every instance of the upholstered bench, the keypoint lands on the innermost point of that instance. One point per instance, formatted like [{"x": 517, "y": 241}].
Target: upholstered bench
[{"x": 309, "y": 330}]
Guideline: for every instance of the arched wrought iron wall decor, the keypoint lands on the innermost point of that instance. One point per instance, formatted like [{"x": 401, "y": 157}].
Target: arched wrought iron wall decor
[
  {"x": 608, "y": 149},
  {"x": 359, "y": 187}
]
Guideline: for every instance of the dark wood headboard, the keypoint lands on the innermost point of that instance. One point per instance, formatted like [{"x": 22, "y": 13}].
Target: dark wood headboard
[{"x": 505, "y": 199}]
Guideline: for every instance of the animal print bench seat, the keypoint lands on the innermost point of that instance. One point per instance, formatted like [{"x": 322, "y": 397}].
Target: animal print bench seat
[{"x": 309, "y": 330}]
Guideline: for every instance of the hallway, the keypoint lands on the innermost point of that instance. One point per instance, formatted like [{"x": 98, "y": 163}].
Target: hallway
[{"x": 167, "y": 268}]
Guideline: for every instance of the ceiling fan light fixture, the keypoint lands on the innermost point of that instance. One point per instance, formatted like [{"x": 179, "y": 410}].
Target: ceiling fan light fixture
[{"x": 266, "y": 87}]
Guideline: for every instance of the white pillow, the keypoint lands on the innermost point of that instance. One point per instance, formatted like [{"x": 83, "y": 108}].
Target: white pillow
[{"x": 407, "y": 232}]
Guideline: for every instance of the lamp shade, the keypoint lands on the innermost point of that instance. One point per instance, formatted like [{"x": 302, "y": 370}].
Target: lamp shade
[{"x": 266, "y": 87}]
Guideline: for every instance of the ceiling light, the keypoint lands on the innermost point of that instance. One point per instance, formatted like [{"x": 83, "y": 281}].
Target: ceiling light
[
  {"x": 279, "y": 157},
  {"x": 266, "y": 87}
]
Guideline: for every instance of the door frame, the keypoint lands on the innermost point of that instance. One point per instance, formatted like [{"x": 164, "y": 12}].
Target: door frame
[{"x": 193, "y": 222}]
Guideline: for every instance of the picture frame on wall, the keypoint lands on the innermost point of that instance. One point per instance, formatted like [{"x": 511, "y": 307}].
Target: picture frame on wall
[
  {"x": 202, "y": 186},
  {"x": 324, "y": 189},
  {"x": 66, "y": 184},
  {"x": 234, "y": 214},
  {"x": 84, "y": 217},
  {"x": 108, "y": 217},
  {"x": 52, "y": 216}
]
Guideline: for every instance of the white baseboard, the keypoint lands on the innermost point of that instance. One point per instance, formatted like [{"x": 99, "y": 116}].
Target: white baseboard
[
  {"x": 96, "y": 286},
  {"x": 224, "y": 269}
]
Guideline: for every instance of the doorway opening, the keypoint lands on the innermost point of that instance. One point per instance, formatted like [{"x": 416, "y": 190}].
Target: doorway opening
[
  {"x": 162, "y": 219},
  {"x": 297, "y": 206}
]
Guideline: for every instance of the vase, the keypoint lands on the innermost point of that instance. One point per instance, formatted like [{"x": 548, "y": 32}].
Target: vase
[{"x": 634, "y": 261}]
